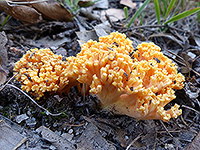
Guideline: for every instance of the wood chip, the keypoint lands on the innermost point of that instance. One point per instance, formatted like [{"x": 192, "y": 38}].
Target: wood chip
[
  {"x": 9, "y": 138},
  {"x": 195, "y": 144},
  {"x": 59, "y": 142},
  {"x": 91, "y": 139}
]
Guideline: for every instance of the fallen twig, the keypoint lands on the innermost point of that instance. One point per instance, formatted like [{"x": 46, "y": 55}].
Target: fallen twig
[
  {"x": 190, "y": 109},
  {"x": 184, "y": 65},
  {"x": 196, "y": 59},
  {"x": 8, "y": 81},
  {"x": 184, "y": 31},
  {"x": 139, "y": 136},
  {"x": 182, "y": 60},
  {"x": 184, "y": 121},
  {"x": 47, "y": 112},
  {"x": 74, "y": 125},
  {"x": 166, "y": 128},
  {"x": 156, "y": 26},
  {"x": 89, "y": 14},
  {"x": 177, "y": 131},
  {"x": 142, "y": 27},
  {"x": 113, "y": 25}
]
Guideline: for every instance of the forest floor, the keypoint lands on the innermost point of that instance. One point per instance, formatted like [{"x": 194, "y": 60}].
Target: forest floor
[{"x": 82, "y": 123}]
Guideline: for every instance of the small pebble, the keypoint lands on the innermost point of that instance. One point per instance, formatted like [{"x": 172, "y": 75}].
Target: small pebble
[
  {"x": 52, "y": 147},
  {"x": 70, "y": 131},
  {"x": 29, "y": 112},
  {"x": 31, "y": 122},
  {"x": 192, "y": 55},
  {"x": 21, "y": 118},
  {"x": 58, "y": 132},
  {"x": 126, "y": 137},
  {"x": 67, "y": 136},
  {"x": 55, "y": 125}
]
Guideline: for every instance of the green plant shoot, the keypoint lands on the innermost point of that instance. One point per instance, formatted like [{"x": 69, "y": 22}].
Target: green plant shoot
[
  {"x": 126, "y": 13},
  {"x": 4, "y": 22},
  {"x": 138, "y": 12},
  {"x": 182, "y": 15},
  {"x": 198, "y": 15},
  {"x": 157, "y": 8},
  {"x": 171, "y": 5}
]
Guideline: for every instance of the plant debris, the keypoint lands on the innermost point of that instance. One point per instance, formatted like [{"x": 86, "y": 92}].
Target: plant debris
[
  {"x": 9, "y": 138},
  {"x": 78, "y": 121}
]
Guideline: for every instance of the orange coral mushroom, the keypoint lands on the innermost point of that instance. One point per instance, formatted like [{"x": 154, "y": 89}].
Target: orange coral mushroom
[
  {"x": 40, "y": 71},
  {"x": 139, "y": 87}
]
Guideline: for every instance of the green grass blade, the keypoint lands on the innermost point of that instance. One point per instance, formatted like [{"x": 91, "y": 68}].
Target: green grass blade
[
  {"x": 68, "y": 2},
  {"x": 4, "y": 22},
  {"x": 157, "y": 8},
  {"x": 171, "y": 5},
  {"x": 164, "y": 6},
  {"x": 76, "y": 1},
  {"x": 182, "y": 4},
  {"x": 137, "y": 13},
  {"x": 183, "y": 15},
  {"x": 126, "y": 12},
  {"x": 198, "y": 15},
  {"x": 141, "y": 19}
]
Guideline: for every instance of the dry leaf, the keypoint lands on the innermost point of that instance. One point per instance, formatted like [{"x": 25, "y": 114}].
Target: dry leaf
[
  {"x": 102, "y": 4},
  {"x": 84, "y": 36},
  {"x": 128, "y": 3},
  {"x": 34, "y": 12},
  {"x": 53, "y": 10},
  {"x": 3, "y": 75},
  {"x": 195, "y": 144},
  {"x": 191, "y": 91},
  {"x": 114, "y": 14},
  {"x": 3, "y": 57},
  {"x": 168, "y": 36},
  {"x": 24, "y": 13},
  {"x": 100, "y": 31},
  {"x": 188, "y": 60},
  {"x": 59, "y": 142}
]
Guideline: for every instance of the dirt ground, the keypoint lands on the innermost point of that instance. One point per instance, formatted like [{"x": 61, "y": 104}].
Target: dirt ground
[{"x": 72, "y": 121}]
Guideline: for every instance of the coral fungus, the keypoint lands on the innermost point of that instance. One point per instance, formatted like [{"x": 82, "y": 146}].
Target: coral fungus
[
  {"x": 139, "y": 85},
  {"x": 40, "y": 71}
]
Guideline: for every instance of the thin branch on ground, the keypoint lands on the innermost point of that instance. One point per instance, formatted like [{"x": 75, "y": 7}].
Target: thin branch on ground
[
  {"x": 177, "y": 131},
  {"x": 184, "y": 106},
  {"x": 182, "y": 60},
  {"x": 195, "y": 72},
  {"x": 184, "y": 121},
  {"x": 142, "y": 27},
  {"x": 47, "y": 112},
  {"x": 156, "y": 26},
  {"x": 112, "y": 24},
  {"x": 8, "y": 81},
  {"x": 166, "y": 128},
  {"x": 74, "y": 125},
  {"x": 139, "y": 136},
  {"x": 184, "y": 31},
  {"x": 196, "y": 59},
  {"x": 184, "y": 65}
]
